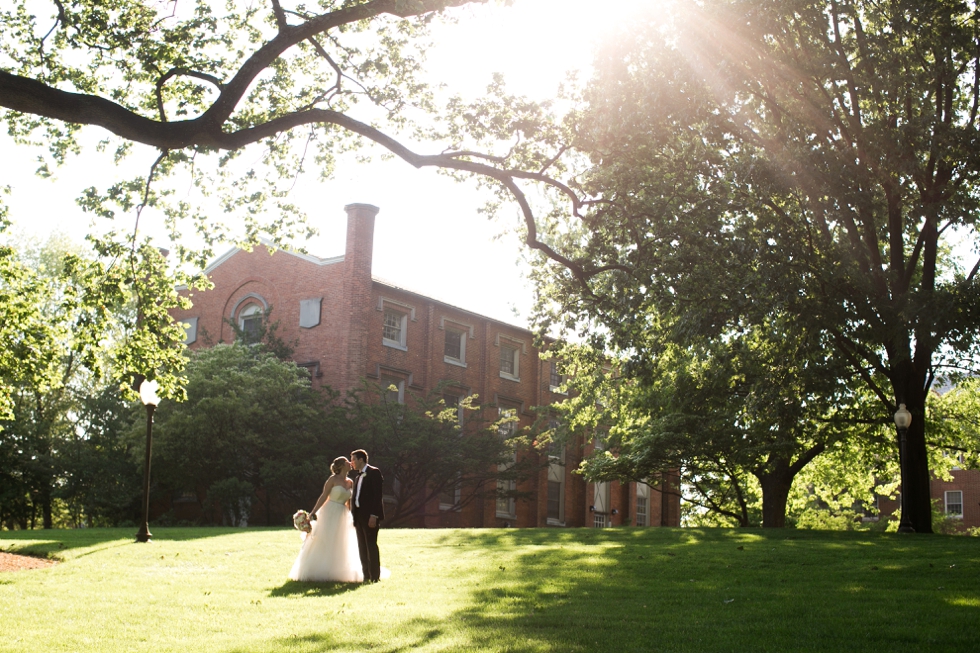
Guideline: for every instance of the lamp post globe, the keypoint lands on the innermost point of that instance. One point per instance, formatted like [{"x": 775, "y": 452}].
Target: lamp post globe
[
  {"x": 148, "y": 395},
  {"x": 902, "y": 420}
]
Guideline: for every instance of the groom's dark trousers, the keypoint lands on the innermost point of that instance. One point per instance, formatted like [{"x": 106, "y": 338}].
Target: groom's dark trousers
[
  {"x": 367, "y": 546},
  {"x": 366, "y": 502}
]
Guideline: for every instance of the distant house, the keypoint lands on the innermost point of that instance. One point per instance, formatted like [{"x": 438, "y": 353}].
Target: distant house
[
  {"x": 350, "y": 326},
  {"x": 959, "y": 498}
]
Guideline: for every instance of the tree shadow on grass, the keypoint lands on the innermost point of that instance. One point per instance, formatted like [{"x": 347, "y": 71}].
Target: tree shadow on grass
[
  {"x": 297, "y": 589},
  {"x": 415, "y": 634},
  {"x": 707, "y": 590},
  {"x": 51, "y": 543}
]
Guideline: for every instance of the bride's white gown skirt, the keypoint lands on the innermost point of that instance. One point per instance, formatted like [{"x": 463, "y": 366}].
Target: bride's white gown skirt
[{"x": 329, "y": 551}]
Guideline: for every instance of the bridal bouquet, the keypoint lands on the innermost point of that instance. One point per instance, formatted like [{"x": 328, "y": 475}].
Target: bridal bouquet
[{"x": 301, "y": 521}]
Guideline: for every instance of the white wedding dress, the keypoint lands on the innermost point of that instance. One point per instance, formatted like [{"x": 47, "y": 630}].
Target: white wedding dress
[{"x": 329, "y": 551}]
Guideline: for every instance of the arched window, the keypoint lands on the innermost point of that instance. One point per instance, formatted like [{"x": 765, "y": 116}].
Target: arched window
[{"x": 250, "y": 323}]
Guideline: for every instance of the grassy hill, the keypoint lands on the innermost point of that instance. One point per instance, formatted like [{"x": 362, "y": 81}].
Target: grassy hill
[{"x": 622, "y": 590}]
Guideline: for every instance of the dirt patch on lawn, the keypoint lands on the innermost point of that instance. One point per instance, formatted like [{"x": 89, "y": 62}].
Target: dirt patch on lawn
[{"x": 14, "y": 562}]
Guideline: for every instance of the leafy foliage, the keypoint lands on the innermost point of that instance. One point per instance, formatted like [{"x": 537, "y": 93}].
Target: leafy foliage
[
  {"x": 806, "y": 158},
  {"x": 956, "y": 440},
  {"x": 65, "y": 331},
  {"x": 238, "y": 102},
  {"x": 426, "y": 450},
  {"x": 103, "y": 485},
  {"x": 251, "y": 420},
  {"x": 739, "y": 417}
]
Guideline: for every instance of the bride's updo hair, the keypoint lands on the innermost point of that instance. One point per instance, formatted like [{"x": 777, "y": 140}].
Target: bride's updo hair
[{"x": 337, "y": 463}]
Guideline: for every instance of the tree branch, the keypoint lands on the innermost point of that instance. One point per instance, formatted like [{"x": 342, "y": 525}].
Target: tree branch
[{"x": 173, "y": 72}]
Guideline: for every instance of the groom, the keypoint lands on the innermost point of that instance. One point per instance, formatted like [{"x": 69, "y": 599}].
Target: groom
[{"x": 368, "y": 510}]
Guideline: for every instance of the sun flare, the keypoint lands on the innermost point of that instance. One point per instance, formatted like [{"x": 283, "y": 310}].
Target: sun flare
[{"x": 532, "y": 42}]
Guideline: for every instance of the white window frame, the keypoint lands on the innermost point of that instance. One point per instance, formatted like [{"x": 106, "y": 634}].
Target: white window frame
[
  {"x": 600, "y": 505},
  {"x": 553, "y": 426},
  {"x": 947, "y": 504},
  {"x": 402, "y": 319},
  {"x": 404, "y": 311},
  {"x": 560, "y": 519},
  {"x": 556, "y": 474},
  {"x": 457, "y": 497},
  {"x": 642, "y": 492},
  {"x": 516, "y": 375},
  {"x": 388, "y": 381},
  {"x": 519, "y": 346},
  {"x": 506, "y": 506},
  {"x": 461, "y": 361},
  {"x": 552, "y": 372},
  {"x": 253, "y": 310}
]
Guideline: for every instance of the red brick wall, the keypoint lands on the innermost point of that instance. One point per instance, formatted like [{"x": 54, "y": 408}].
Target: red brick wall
[
  {"x": 348, "y": 346},
  {"x": 968, "y": 482},
  {"x": 282, "y": 280}
]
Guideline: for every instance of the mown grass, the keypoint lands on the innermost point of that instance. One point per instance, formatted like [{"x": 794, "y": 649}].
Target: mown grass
[{"x": 619, "y": 590}]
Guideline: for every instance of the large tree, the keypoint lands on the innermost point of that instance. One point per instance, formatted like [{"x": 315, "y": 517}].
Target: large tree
[
  {"x": 250, "y": 421},
  {"x": 28, "y": 354},
  {"x": 103, "y": 482},
  {"x": 816, "y": 157},
  {"x": 237, "y": 101},
  {"x": 62, "y": 337},
  {"x": 738, "y": 417}
]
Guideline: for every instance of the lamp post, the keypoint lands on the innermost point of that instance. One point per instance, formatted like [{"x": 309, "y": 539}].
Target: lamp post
[
  {"x": 902, "y": 420},
  {"x": 148, "y": 395}
]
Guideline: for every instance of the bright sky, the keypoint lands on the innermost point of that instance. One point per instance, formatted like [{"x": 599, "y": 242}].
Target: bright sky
[{"x": 428, "y": 235}]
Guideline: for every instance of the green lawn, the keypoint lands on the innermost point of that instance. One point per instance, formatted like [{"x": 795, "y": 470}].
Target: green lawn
[{"x": 618, "y": 590}]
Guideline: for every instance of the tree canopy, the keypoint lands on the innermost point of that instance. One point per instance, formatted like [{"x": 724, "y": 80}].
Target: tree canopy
[
  {"x": 816, "y": 158},
  {"x": 251, "y": 420},
  {"x": 61, "y": 340},
  {"x": 301, "y": 83},
  {"x": 239, "y": 102}
]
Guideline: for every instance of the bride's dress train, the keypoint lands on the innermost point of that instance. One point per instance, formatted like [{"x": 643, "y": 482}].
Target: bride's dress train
[{"x": 329, "y": 552}]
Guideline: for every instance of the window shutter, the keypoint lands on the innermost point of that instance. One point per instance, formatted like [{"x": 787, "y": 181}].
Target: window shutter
[{"x": 309, "y": 312}]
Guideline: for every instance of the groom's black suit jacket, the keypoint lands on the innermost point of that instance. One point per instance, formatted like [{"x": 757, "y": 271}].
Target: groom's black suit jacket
[{"x": 372, "y": 501}]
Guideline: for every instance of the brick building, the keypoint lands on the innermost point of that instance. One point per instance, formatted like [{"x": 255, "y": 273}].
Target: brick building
[
  {"x": 959, "y": 498},
  {"x": 349, "y": 326},
  {"x": 956, "y": 500}
]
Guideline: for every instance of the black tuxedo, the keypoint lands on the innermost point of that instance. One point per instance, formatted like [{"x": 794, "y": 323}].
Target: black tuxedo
[{"x": 368, "y": 500}]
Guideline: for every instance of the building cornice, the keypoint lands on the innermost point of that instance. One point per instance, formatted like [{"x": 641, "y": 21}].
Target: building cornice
[
  {"x": 268, "y": 244},
  {"x": 423, "y": 297}
]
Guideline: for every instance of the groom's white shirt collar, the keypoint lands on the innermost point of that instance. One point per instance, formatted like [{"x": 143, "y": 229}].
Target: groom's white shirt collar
[{"x": 357, "y": 488}]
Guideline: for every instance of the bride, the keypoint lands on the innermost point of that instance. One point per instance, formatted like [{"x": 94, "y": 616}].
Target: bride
[{"x": 329, "y": 552}]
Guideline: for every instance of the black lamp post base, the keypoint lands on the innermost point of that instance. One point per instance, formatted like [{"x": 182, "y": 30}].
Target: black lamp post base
[
  {"x": 144, "y": 534},
  {"x": 905, "y": 528}
]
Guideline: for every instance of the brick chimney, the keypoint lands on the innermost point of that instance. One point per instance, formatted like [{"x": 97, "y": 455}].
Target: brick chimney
[
  {"x": 360, "y": 238},
  {"x": 357, "y": 284}
]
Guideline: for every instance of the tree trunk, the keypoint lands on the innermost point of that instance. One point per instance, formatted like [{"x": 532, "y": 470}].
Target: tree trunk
[
  {"x": 46, "y": 511},
  {"x": 915, "y": 475},
  {"x": 778, "y": 481},
  {"x": 775, "y": 493},
  {"x": 909, "y": 390},
  {"x": 918, "y": 501}
]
